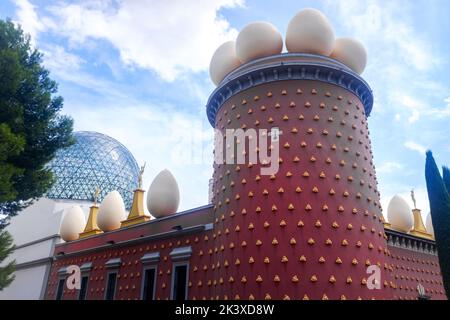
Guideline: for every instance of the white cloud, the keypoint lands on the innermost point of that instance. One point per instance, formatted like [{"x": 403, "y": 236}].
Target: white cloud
[
  {"x": 447, "y": 101},
  {"x": 415, "y": 147},
  {"x": 441, "y": 112},
  {"x": 402, "y": 57},
  {"x": 28, "y": 18},
  {"x": 418, "y": 108},
  {"x": 413, "y": 105},
  {"x": 385, "y": 23},
  {"x": 66, "y": 66},
  {"x": 58, "y": 60},
  {"x": 169, "y": 37},
  {"x": 389, "y": 167}
]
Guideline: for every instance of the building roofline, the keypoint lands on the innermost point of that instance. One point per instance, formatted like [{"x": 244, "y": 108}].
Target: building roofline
[
  {"x": 153, "y": 237},
  {"x": 289, "y": 66},
  {"x": 150, "y": 222}
]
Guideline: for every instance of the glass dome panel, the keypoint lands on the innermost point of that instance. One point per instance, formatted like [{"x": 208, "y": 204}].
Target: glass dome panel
[{"x": 94, "y": 160}]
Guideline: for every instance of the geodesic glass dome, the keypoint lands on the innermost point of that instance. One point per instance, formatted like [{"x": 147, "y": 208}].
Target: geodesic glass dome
[{"x": 94, "y": 160}]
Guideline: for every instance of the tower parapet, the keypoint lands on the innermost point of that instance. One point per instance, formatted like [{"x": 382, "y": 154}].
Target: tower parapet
[{"x": 289, "y": 66}]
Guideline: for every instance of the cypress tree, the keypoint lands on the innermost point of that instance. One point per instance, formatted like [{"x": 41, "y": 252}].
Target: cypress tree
[{"x": 440, "y": 213}]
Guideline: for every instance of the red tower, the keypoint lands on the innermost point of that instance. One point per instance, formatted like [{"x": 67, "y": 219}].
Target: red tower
[{"x": 311, "y": 230}]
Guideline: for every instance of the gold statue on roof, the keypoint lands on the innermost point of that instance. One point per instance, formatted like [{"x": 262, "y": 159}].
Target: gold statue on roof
[
  {"x": 96, "y": 195},
  {"x": 413, "y": 198},
  {"x": 141, "y": 173}
]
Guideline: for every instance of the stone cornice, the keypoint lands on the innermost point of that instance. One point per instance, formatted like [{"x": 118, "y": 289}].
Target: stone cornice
[
  {"x": 409, "y": 242},
  {"x": 289, "y": 66}
]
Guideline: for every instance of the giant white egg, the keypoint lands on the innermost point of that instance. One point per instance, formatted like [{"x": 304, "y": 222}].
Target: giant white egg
[
  {"x": 163, "y": 195},
  {"x": 350, "y": 52},
  {"x": 73, "y": 223},
  {"x": 223, "y": 62},
  {"x": 257, "y": 40},
  {"x": 111, "y": 212},
  {"x": 400, "y": 215},
  {"x": 309, "y": 31}
]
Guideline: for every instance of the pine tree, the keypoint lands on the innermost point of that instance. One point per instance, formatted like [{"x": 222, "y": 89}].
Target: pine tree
[
  {"x": 440, "y": 213},
  {"x": 32, "y": 129},
  {"x": 6, "y": 248}
]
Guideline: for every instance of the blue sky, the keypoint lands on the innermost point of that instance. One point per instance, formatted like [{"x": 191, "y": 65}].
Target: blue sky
[{"x": 138, "y": 71}]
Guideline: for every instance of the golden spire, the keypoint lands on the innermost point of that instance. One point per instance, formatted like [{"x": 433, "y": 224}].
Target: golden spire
[
  {"x": 92, "y": 228},
  {"x": 137, "y": 214},
  {"x": 419, "y": 229}
]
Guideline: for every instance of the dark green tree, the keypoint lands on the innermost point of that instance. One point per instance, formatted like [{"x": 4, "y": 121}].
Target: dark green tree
[
  {"x": 446, "y": 178},
  {"x": 32, "y": 130},
  {"x": 6, "y": 247},
  {"x": 440, "y": 214},
  {"x": 31, "y": 126}
]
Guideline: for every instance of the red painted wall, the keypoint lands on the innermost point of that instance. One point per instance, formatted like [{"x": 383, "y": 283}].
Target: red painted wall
[
  {"x": 332, "y": 139},
  {"x": 411, "y": 268}
]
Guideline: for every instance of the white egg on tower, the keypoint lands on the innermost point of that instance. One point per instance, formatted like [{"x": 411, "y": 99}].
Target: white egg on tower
[
  {"x": 72, "y": 224},
  {"x": 309, "y": 31},
  {"x": 111, "y": 212},
  {"x": 399, "y": 214},
  {"x": 350, "y": 52},
  {"x": 223, "y": 62},
  {"x": 163, "y": 195},
  {"x": 257, "y": 40}
]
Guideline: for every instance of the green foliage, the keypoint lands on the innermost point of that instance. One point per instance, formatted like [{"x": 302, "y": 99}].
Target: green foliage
[
  {"x": 440, "y": 214},
  {"x": 6, "y": 248},
  {"x": 31, "y": 126}
]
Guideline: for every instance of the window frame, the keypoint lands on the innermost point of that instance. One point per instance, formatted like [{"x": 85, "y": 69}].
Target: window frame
[
  {"x": 186, "y": 285},
  {"x": 63, "y": 279},
  {"x": 83, "y": 276},
  {"x": 116, "y": 272},
  {"x": 155, "y": 277}
]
